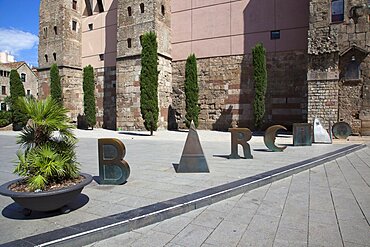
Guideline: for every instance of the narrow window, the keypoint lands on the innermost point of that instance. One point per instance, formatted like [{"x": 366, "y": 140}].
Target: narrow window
[
  {"x": 101, "y": 57},
  {"x": 100, "y": 6},
  {"x": 3, "y": 90},
  {"x": 337, "y": 10},
  {"x": 55, "y": 56},
  {"x": 45, "y": 32},
  {"x": 129, "y": 11},
  {"x": 141, "y": 39},
  {"x": 141, "y": 7},
  {"x": 46, "y": 58},
  {"x": 275, "y": 34},
  {"x": 3, "y": 106},
  {"x": 23, "y": 77},
  {"x": 128, "y": 43},
  {"x": 91, "y": 26},
  {"x": 28, "y": 92},
  {"x": 74, "y": 4},
  {"x": 1, "y": 72},
  {"x": 163, "y": 10},
  {"x": 55, "y": 30},
  {"x": 74, "y": 25}
]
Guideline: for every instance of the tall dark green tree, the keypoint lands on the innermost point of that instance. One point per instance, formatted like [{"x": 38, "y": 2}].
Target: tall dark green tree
[
  {"x": 191, "y": 91},
  {"x": 149, "y": 81},
  {"x": 19, "y": 119},
  {"x": 260, "y": 80},
  {"x": 89, "y": 97},
  {"x": 55, "y": 85}
]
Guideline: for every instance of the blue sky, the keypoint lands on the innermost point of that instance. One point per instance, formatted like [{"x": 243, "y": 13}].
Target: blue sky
[{"x": 19, "y": 29}]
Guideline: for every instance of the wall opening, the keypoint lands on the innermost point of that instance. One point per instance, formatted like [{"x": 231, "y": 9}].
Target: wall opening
[
  {"x": 55, "y": 30},
  {"x": 74, "y": 25},
  {"x": 45, "y": 32},
  {"x": 88, "y": 10},
  {"x": 163, "y": 10},
  {"x": 129, "y": 43},
  {"x": 100, "y": 6},
  {"x": 46, "y": 58},
  {"x": 74, "y": 4},
  {"x": 337, "y": 10},
  {"x": 23, "y": 77},
  {"x": 142, "y": 8},
  {"x": 55, "y": 56},
  {"x": 129, "y": 11}
]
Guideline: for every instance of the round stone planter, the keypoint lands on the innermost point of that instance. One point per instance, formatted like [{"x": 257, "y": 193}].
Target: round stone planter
[{"x": 45, "y": 200}]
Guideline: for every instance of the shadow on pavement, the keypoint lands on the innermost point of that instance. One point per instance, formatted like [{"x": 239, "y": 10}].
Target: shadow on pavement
[{"x": 16, "y": 212}]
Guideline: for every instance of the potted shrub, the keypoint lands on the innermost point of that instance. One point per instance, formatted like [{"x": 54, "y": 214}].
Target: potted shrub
[{"x": 47, "y": 161}]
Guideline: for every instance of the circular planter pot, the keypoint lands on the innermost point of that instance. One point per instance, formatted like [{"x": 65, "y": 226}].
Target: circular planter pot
[{"x": 45, "y": 200}]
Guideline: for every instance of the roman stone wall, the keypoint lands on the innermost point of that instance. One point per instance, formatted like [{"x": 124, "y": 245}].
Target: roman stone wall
[
  {"x": 226, "y": 91},
  {"x": 105, "y": 95},
  {"x": 71, "y": 80},
  {"x": 332, "y": 47}
]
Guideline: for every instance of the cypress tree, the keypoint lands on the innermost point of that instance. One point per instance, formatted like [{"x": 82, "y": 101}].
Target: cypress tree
[
  {"x": 55, "y": 85},
  {"x": 19, "y": 119},
  {"x": 149, "y": 81},
  {"x": 89, "y": 97},
  {"x": 191, "y": 91},
  {"x": 260, "y": 79}
]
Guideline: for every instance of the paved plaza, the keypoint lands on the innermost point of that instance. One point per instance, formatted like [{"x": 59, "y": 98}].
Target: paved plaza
[{"x": 327, "y": 205}]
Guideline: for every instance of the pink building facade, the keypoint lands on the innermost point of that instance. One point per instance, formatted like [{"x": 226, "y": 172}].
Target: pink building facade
[{"x": 221, "y": 33}]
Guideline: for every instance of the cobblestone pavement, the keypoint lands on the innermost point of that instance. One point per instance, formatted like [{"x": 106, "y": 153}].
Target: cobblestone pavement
[{"x": 328, "y": 205}]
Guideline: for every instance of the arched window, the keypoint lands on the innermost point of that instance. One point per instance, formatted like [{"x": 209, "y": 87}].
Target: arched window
[
  {"x": 129, "y": 43},
  {"x": 129, "y": 11},
  {"x": 45, "y": 32},
  {"x": 55, "y": 56},
  {"x": 141, "y": 7},
  {"x": 46, "y": 58}
]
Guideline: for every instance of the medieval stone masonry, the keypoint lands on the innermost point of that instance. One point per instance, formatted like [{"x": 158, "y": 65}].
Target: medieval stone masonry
[{"x": 317, "y": 58}]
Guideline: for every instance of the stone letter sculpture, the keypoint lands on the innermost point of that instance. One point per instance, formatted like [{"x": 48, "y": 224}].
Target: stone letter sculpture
[
  {"x": 192, "y": 158},
  {"x": 270, "y": 136},
  {"x": 240, "y": 136},
  {"x": 320, "y": 135},
  {"x": 302, "y": 134},
  {"x": 112, "y": 168}
]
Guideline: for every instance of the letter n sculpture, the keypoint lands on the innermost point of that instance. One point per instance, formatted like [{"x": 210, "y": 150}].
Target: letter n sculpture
[{"x": 112, "y": 168}]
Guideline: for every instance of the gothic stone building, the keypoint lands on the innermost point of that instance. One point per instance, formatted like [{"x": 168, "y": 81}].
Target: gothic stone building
[{"x": 317, "y": 58}]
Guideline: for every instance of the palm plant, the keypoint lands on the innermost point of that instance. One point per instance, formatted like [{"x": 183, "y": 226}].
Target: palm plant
[{"x": 49, "y": 144}]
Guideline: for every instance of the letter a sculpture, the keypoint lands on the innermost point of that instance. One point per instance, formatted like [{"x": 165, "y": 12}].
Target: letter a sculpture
[{"x": 192, "y": 158}]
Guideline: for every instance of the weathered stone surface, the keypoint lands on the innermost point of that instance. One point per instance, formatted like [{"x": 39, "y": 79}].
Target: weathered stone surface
[
  {"x": 129, "y": 62},
  {"x": 331, "y": 97},
  {"x": 226, "y": 90}
]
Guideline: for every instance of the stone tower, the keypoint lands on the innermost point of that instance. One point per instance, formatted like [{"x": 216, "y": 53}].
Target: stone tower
[
  {"x": 60, "y": 42},
  {"x": 338, "y": 63},
  {"x": 136, "y": 17}
]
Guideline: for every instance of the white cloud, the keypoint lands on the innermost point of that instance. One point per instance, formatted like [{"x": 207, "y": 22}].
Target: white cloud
[{"x": 14, "y": 40}]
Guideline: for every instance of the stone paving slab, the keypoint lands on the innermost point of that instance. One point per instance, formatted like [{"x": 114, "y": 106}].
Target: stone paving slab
[
  {"x": 152, "y": 177},
  {"x": 295, "y": 221}
]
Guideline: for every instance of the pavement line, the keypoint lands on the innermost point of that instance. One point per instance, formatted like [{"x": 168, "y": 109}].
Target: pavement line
[{"x": 167, "y": 209}]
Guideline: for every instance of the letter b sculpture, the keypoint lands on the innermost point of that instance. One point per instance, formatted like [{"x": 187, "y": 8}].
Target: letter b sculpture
[{"x": 112, "y": 168}]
